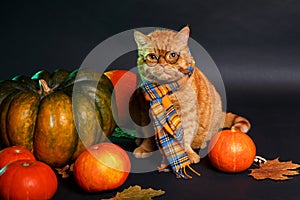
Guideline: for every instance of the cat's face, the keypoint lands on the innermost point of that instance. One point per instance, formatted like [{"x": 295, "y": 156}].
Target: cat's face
[{"x": 163, "y": 54}]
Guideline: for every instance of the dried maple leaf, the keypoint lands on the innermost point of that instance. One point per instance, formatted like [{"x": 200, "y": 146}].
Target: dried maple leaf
[
  {"x": 65, "y": 171},
  {"x": 274, "y": 169},
  {"x": 137, "y": 193}
]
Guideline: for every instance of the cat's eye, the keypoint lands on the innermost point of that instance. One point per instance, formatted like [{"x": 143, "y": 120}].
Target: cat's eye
[
  {"x": 171, "y": 57},
  {"x": 151, "y": 59},
  {"x": 152, "y": 56}
]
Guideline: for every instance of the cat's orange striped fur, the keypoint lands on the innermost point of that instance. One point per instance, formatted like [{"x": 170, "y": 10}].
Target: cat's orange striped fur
[{"x": 197, "y": 102}]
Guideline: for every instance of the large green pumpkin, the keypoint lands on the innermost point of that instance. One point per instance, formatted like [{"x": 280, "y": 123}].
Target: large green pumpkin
[{"x": 56, "y": 115}]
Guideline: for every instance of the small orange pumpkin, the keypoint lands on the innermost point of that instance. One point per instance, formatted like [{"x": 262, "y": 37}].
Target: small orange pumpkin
[
  {"x": 101, "y": 167},
  {"x": 125, "y": 83},
  {"x": 14, "y": 153},
  {"x": 231, "y": 151},
  {"x": 27, "y": 179}
]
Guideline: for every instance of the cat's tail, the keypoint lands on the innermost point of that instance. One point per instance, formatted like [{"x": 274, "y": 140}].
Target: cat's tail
[{"x": 236, "y": 121}]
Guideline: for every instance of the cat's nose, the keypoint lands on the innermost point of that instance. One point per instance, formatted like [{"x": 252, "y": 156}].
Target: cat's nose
[{"x": 162, "y": 61}]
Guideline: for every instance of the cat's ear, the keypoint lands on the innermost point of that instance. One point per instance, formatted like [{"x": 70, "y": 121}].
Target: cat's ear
[
  {"x": 140, "y": 38},
  {"x": 183, "y": 35}
]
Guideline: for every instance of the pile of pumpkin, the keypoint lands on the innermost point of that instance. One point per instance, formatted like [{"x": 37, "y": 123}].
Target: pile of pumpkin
[
  {"x": 101, "y": 167},
  {"x": 52, "y": 119},
  {"x": 56, "y": 115},
  {"x": 48, "y": 120}
]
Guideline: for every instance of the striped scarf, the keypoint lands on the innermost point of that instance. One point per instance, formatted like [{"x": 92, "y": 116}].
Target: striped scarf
[{"x": 167, "y": 124}]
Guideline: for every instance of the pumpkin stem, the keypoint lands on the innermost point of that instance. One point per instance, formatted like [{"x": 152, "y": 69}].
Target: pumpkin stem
[
  {"x": 25, "y": 164},
  {"x": 17, "y": 151},
  {"x": 44, "y": 88},
  {"x": 234, "y": 129}
]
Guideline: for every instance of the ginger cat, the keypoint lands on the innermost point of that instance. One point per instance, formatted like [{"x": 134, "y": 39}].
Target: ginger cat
[{"x": 163, "y": 56}]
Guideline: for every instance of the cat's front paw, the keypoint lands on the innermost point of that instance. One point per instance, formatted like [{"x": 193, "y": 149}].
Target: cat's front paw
[
  {"x": 193, "y": 156},
  {"x": 140, "y": 152}
]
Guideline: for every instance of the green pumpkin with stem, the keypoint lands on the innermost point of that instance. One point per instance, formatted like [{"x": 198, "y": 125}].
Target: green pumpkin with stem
[{"x": 56, "y": 115}]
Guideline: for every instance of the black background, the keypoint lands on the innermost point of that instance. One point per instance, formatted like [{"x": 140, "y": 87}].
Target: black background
[{"x": 255, "y": 45}]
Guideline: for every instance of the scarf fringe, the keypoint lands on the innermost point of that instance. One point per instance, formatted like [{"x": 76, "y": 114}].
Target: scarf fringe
[{"x": 181, "y": 173}]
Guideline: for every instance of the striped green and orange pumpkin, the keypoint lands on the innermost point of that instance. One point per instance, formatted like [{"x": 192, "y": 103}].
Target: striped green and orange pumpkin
[{"x": 56, "y": 115}]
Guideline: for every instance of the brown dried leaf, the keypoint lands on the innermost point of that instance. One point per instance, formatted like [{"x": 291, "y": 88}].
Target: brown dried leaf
[
  {"x": 275, "y": 170},
  {"x": 137, "y": 193},
  {"x": 65, "y": 171}
]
